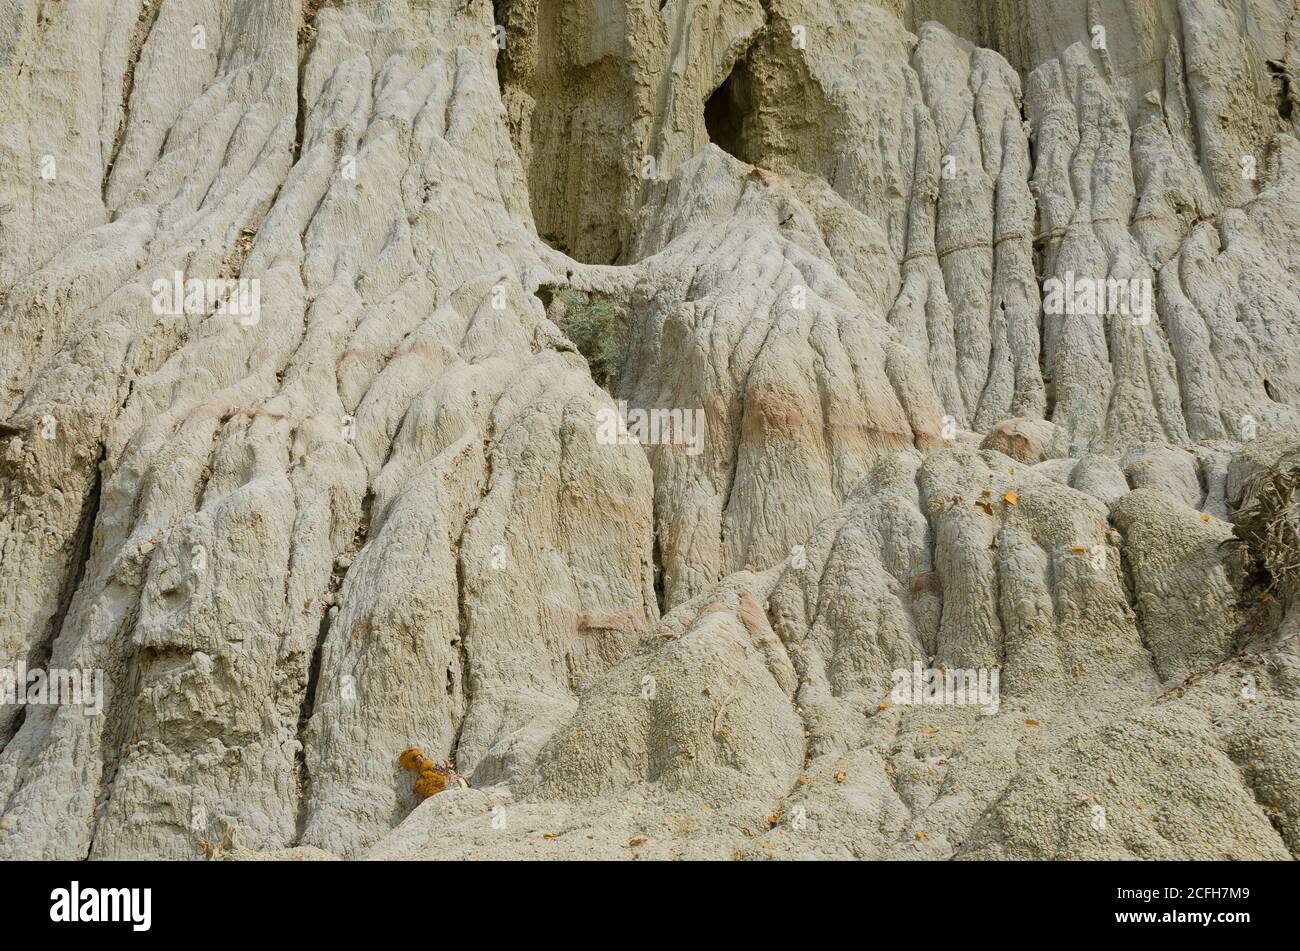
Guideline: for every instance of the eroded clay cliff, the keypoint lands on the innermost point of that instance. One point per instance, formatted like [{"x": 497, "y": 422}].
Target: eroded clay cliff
[{"x": 377, "y": 510}]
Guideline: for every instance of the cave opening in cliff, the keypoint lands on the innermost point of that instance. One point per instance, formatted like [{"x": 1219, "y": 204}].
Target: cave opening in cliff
[
  {"x": 1282, "y": 81},
  {"x": 572, "y": 120},
  {"x": 727, "y": 111}
]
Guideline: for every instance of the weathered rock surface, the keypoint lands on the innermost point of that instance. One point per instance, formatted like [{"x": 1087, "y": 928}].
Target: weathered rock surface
[{"x": 827, "y": 242}]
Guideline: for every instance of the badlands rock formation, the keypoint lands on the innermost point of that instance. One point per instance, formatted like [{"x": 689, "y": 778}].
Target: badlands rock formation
[{"x": 976, "y": 325}]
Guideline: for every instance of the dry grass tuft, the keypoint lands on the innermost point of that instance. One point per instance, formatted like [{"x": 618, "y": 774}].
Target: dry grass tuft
[{"x": 1267, "y": 528}]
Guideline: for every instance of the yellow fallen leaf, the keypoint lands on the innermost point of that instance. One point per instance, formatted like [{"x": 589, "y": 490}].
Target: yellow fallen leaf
[
  {"x": 1205, "y": 518},
  {"x": 922, "y": 837},
  {"x": 1011, "y": 498},
  {"x": 638, "y": 840},
  {"x": 1031, "y": 723}
]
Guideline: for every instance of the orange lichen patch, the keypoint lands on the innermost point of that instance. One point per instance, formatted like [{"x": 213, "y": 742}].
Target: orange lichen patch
[
  {"x": 922, "y": 837},
  {"x": 412, "y": 759},
  {"x": 841, "y": 776},
  {"x": 774, "y": 819},
  {"x": 430, "y": 782}
]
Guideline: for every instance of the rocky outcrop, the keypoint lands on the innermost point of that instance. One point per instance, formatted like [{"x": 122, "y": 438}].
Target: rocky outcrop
[{"x": 654, "y": 411}]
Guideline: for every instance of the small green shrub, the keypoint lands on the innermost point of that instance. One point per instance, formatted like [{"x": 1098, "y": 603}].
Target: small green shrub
[{"x": 596, "y": 328}]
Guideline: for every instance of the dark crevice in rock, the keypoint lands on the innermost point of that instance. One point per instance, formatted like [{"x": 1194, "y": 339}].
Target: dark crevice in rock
[
  {"x": 658, "y": 567},
  {"x": 38, "y": 656},
  {"x": 306, "y": 43},
  {"x": 84, "y": 537},
  {"x": 499, "y": 14},
  {"x": 462, "y": 594},
  {"x": 1285, "y": 102},
  {"x": 462, "y": 655},
  {"x": 305, "y": 712},
  {"x": 342, "y": 562},
  {"x": 143, "y": 28},
  {"x": 727, "y": 111}
]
